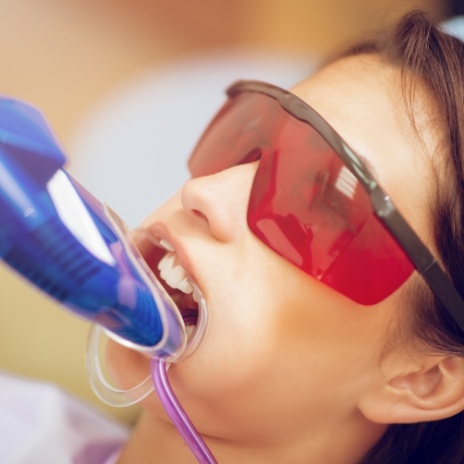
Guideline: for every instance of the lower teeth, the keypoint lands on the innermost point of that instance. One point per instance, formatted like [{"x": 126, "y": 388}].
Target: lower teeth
[{"x": 190, "y": 330}]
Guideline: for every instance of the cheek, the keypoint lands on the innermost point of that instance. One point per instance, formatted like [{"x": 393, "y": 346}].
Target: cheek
[{"x": 328, "y": 341}]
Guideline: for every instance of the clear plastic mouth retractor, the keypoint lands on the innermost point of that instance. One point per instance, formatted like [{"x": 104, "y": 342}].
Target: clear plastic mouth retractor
[{"x": 100, "y": 381}]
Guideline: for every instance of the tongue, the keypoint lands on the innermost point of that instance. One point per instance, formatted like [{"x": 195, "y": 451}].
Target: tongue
[
  {"x": 186, "y": 304},
  {"x": 190, "y": 316}
]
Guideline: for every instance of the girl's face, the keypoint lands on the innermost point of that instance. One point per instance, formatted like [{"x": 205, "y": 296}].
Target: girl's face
[{"x": 283, "y": 354}]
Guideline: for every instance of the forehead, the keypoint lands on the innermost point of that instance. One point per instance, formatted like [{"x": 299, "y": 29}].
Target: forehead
[{"x": 361, "y": 98}]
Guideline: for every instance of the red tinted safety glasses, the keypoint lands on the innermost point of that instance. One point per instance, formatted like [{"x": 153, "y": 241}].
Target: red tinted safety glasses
[{"x": 313, "y": 201}]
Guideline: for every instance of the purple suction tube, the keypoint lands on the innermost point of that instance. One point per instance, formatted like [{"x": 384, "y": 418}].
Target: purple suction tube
[
  {"x": 177, "y": 414},
  {"x": 175, "y": 411}
]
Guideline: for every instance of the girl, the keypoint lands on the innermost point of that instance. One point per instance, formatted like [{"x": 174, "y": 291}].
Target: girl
[{"x": 325, "y": 344}]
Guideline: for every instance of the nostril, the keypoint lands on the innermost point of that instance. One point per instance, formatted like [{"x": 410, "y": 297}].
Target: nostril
[
  {"x": 201, "y": 217},
  {"x": 198, "y": 213}
]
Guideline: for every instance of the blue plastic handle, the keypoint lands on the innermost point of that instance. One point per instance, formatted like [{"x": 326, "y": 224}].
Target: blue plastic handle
[{"x": 100, "y": 279}]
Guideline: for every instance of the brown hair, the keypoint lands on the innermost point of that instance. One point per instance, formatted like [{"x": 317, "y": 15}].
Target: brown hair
[{"x": 421, "y": 49}]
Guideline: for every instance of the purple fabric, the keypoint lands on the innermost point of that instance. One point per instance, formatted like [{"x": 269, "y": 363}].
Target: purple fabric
[
  {"x": 40, "y": 424},
  {"x": 113, "y": 458}
]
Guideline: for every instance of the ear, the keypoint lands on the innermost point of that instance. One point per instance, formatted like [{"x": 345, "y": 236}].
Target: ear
[{"x": 426, "y": 388}]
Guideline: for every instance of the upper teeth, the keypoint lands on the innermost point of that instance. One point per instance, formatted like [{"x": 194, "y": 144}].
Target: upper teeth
[
  {"x": 166, "y": 245},
  {"x": 173, "y": 273}
]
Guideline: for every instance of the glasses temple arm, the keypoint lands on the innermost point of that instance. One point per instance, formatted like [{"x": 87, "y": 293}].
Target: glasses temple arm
[{"x": 424, "y": 262}]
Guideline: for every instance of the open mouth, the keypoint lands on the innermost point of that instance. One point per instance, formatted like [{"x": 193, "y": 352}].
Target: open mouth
[
  {"x": 164, "y": 263},
  {"x": 176, "y": 282}
]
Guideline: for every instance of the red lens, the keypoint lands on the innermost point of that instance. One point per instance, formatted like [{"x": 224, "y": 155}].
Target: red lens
[
  {"x": 305, "y": 204},
  {"x": 240, "y": 129}
]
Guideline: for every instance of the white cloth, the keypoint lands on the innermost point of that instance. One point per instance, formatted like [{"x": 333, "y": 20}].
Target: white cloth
[{"x": 40, "y": 424}]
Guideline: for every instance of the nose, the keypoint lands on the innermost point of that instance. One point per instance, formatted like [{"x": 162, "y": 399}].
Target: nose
[{"x": 220, "y": 200}]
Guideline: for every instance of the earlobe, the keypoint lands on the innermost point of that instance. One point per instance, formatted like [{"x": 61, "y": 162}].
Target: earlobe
[{"x": 433, "y": 390}]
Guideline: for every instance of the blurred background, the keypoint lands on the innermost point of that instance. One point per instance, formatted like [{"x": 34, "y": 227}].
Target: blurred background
[{"x": 127, "y": 86}]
